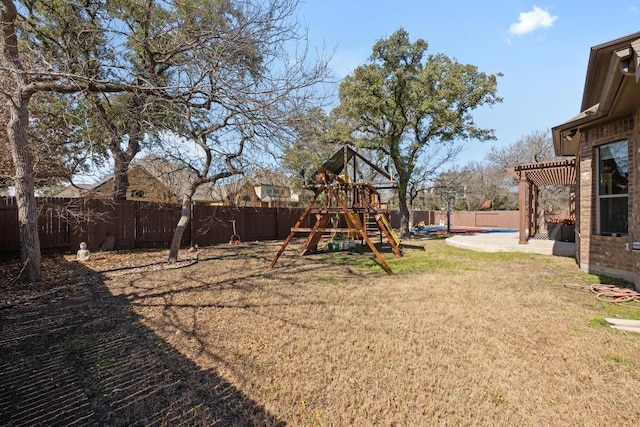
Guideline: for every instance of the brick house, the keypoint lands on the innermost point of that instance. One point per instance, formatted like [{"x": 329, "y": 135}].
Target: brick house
[
  {"x": 605, "y": 140},
  {"x": 156, "y": 180},
  {"x": 262, "y": 188}
]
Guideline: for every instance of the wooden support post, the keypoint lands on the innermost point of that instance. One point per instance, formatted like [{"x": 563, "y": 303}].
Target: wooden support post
[
  {"x": 297, "y": 224},
  {"x": 363, "y": 233},
  {"x": 522, "y": 209},
  {"x": 535, "y": 212},
  {"x": 315, "y": 234},
  {"x": 530, "y": 210}
]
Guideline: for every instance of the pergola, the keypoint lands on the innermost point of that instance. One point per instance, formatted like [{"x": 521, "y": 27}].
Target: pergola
[{"x": 531, "y": 177}]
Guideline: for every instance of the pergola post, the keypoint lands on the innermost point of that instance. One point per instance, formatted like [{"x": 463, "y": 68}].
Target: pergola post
[
  {"x": 522, "y": 208},
  {"x": 533, "y": 210}
]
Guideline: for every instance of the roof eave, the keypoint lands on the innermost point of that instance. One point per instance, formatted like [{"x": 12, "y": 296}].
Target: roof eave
[{"x": 566, "y": 137}]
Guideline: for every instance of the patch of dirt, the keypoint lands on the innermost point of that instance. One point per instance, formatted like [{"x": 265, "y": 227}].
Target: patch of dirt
[{"x": 63, "y": 275}]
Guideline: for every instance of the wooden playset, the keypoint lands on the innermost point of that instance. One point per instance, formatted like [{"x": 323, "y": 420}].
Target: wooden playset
[{"x": 346, "y": 208}]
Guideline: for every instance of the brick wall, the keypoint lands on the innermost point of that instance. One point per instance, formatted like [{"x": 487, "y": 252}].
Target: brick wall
[
  {"x": 605, "y": 254},
  {"x": 608, "y": 253},
  {"x": 634, "y": 194}
]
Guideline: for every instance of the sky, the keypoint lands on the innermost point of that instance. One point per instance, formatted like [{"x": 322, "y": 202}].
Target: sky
[{"x": 541, "y": 48}]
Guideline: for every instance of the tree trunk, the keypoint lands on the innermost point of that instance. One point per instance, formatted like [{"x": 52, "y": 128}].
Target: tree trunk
[
  {"x": 19, "y": 144},
  {"x": 404, "y": 210},
  {"x": 183, "y": 222},
  {"x": 24, "y": 188},
  {"x": 122, "y": 158},
  {"x": 120, "y": 178}
]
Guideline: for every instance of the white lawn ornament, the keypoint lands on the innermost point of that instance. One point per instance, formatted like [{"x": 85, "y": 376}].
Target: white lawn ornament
[{"x": 83, "y": 253}]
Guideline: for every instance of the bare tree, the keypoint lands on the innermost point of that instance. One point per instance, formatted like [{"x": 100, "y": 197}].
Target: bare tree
[
  {"x": 534, "y": 147},
  {"x": 243, "y": 90},
  {"x": 169, "y": 55},
  {"x": 425, "y": 173},
  {"x": 485, "y": 186}
]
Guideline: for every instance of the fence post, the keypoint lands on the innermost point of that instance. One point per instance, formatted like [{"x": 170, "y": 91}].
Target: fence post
[{"x": 192, "y": 210}]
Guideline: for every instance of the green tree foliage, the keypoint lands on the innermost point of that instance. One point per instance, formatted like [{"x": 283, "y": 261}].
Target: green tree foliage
[
  {"x": 57, "y": 146},
  {"x": 402, "y": 103},
  {"x": 187, "y": 53},
  {"x": 317, "y": 137}
]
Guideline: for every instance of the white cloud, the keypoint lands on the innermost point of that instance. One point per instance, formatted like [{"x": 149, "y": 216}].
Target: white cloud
[{"x": 532, "y": 21}]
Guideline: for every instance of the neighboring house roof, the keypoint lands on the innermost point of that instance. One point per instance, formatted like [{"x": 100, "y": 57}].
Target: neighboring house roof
[
  {"x": 611, "y": 90},
  {"x": 257, "y": 179},
  {"x": 177, "y": 179},
  {"x": 267, "y": 177},
  {"x": 76, "y": 190},
  {"x": 208, "y": 192}
]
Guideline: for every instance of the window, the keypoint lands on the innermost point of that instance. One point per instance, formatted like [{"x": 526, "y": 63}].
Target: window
[
  {"x": 138, "y": 193},
  {"x": 613, "y": 187}
]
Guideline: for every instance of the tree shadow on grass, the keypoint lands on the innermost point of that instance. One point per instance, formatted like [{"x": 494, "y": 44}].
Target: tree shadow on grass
[{"x": 89, "y": 360}]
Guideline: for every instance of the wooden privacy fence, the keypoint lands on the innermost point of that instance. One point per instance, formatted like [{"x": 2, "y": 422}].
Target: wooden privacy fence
[
  {"x": 106, "y": 224},
  {"x": 489, "y": 219},
  {"x": 126, "y": 224}
]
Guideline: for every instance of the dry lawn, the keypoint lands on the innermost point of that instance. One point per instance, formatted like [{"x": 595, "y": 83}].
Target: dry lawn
[{"x": 454, "y": 338}]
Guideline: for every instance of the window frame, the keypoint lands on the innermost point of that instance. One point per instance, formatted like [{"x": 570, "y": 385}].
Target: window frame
[{"x": 599, "y": 197}]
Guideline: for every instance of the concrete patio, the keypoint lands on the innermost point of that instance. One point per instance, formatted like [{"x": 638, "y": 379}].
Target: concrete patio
[{"x": 508, "y": 242}]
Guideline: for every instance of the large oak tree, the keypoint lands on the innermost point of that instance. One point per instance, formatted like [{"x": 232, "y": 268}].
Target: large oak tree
[{"x": 404, "y": 104}]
